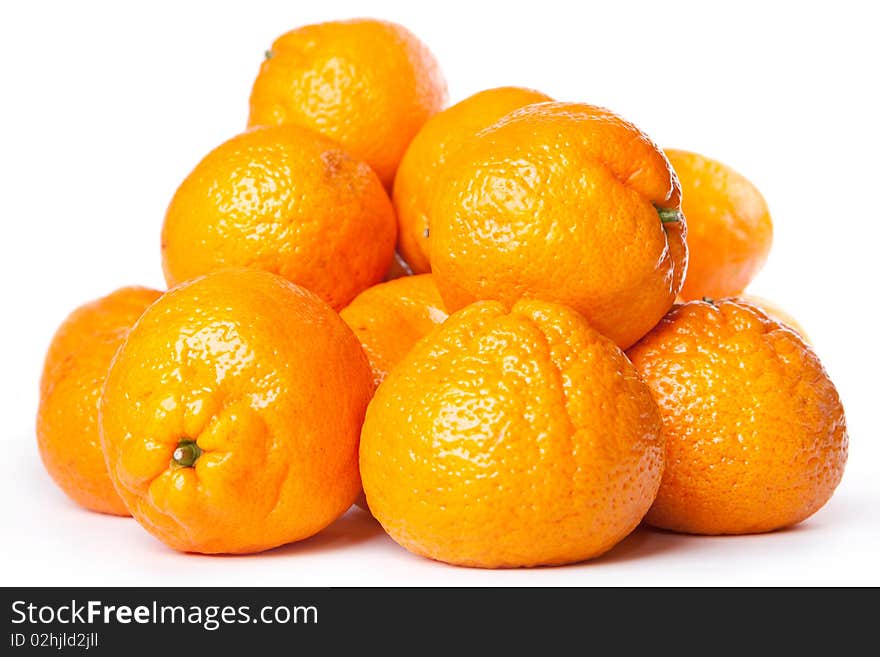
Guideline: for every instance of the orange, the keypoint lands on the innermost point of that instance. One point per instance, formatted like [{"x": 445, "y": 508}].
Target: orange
[
  {"x": 73, "y": 374},
  {"x": 391, "y": 317},
  {"x": 368, "y": 84},
  {"x": 565, "y": 202},
  {"x": 511, "y": 438},
  {"x": 755, "y": 432},
  {"x": 425, "y": 159},
  {"x": 230, "y": 416},
  {"x": 286, "y": 200},
  {"x": 729, "y": 226}
]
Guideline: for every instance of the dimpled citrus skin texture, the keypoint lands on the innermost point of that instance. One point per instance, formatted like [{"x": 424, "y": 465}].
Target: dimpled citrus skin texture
[
  {"x": 557, "y": 201},
  {"x": 729, "y": 226},
  {"x": 270, "y": 383},
  {"x": 426, "y": 156},
  {"x": 391, "y": 317},
  {"x": 511, "y": 438},
  {"x": 776, "y": 313},
  {"x": 755, "y": 432},
  {"x": 73, "y": 375},
  {"x": 368, "y": 84},
  {"x": 286, "y": 200},
  {"x": 771, "y": 309}
]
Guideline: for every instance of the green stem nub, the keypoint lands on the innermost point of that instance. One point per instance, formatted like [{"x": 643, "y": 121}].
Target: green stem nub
[
  {"x": 268, "y": 54},
  {"x": 669, "y": 215},
  {"x": 187, "y": 453}
]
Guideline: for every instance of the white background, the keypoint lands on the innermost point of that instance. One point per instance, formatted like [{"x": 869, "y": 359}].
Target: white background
[{"x": 104, "y": 108}]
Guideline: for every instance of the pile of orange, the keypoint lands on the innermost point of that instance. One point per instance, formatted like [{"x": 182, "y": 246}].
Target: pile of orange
[{"x": 515, "y": 325}]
